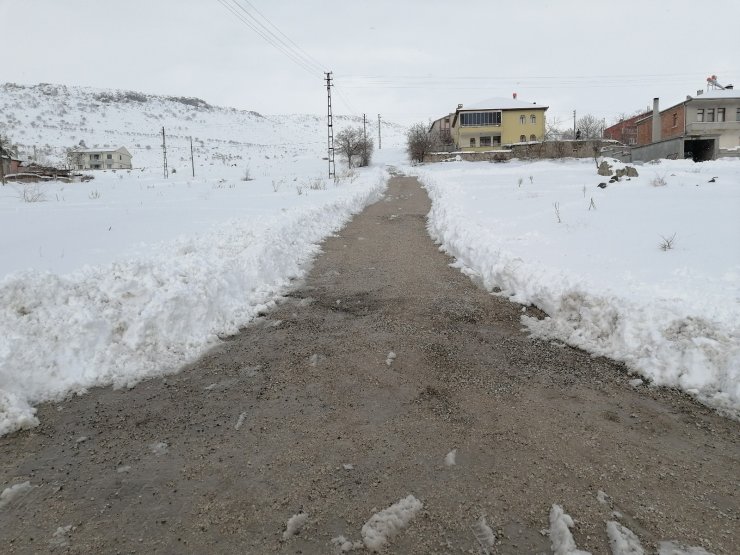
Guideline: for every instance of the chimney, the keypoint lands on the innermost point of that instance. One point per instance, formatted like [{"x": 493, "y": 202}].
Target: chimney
[
  {"x": 656, "y": 120},
  {"x": 459, "y": 106}
]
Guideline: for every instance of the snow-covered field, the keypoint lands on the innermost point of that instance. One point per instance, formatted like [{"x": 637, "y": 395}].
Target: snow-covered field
[
  {"x": 600, "y": 272},
  {"x": 130, "y": 275}
]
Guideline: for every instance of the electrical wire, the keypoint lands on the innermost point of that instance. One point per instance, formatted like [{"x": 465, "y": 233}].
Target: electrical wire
[{"x": 268, "y": 36}]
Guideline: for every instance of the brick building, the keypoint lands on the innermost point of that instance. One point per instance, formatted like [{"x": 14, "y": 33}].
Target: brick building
[{"x": 625, "y": 131}]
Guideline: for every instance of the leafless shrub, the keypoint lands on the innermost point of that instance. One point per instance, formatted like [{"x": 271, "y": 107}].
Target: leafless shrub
[
  {"x": 592, "y": 206},
  {"x": 659, "y": 181},
  {"x": 667, "y": 242},
  {"x": 317, "y": 184},
  {"x": 276, "y": 184},
  {"x": 520, "y": 181},
  {"x": 32, "y": 192},
  {"x": 557, "y": 212},
  {"x": 247, "y": 175},
  {"x": 93, "y": 195}
]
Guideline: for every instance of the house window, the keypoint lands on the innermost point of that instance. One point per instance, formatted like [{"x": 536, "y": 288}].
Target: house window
[
  {"x": 675, "y": 119},
  {"x": 737, "y": 115},
  {"x": 700, "y": 115},
  {"x": 710, "y": 114},
  {"x": 632, "y": 141},
  {"x": 720, "y": 114},
  {"x": 532, "y": 119},
  {"x": 95, "y": 156},
  {"x": 119, "y": 157},
  {"x": 522, "y": 138},
  {"x": 532, "y": 137},
  {"x": 109, "y": 156},
  {"x": 485, "y": 141},
  {"x": 109, "y": 165},
  {"x": 522, "y": 119},
  {"x": 472, "y": 141},
  {"x": 469, "y": 119}
]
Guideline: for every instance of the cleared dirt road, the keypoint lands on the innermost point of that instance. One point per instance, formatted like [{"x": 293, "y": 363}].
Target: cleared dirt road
[{"x": 306, "y": 410}]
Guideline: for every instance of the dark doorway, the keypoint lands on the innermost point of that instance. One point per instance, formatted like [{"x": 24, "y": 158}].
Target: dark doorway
[{"x": 699, "y": 150}]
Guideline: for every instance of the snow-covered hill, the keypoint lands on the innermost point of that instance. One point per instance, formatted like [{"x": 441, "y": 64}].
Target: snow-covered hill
[
  {"x": 45, "y": 120},
  {"x": 130, "y": 275}
]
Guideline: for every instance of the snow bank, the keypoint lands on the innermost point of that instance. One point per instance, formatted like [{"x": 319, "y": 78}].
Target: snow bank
[
  {"x": 561, "y": 539},
  {"x": 8, "y": 494},
  {"x": 147, "y": 315},
  {"x": 622, "y": 540},
  {"x": 382, "y": 526},
  {"x": 599, "y": 274},
  {"x": 294, "y": 525}
]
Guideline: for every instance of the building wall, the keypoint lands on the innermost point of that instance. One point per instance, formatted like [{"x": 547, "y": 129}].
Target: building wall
[
  {"x": 672, "y": 122},
  {"x": 669, "y": 148},
  {"x": 86, "y": 160},
  {"x": 508, "y": 132},
  {"x": 728, "y": 131},
  {"x": 625, "y": 131}
]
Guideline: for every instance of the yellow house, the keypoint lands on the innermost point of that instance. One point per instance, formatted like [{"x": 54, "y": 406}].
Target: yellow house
[{"x": 497, "y": 121}]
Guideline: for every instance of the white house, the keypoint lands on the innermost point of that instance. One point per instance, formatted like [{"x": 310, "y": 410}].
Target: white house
[{"x": 101, "y": 159}]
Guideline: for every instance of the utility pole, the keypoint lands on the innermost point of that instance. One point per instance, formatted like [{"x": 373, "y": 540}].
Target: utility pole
[
  {"x": 164, "y": 154},
  {"x": 192, "y": 162},
  {"x": 330, "y": 128},
  {"x": 379, "y": 143},
  {"x": 364, "y": 140},
  {"x": 2, "y": 162}
]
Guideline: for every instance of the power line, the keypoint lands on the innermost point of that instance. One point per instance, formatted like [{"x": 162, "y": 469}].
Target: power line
[
  {"x": 268, "y": 36},
  {"x": 305, "y": 54}
]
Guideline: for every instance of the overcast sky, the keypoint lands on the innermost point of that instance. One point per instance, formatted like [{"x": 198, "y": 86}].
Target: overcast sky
[{"x": 407, "y": 60}]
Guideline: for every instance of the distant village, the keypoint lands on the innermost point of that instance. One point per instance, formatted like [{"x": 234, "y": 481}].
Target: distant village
[{"x": 703, "y": 126}]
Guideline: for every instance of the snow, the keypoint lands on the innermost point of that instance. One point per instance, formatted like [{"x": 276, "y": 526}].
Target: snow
[
  {"x": 8, "y": 494},
  {"x": 384, "y": 525},
  {"x": 675, "y": 548},
  {"x": 294, "y": 525},
  {"x": 484, "y": 534},
  {"x": 500, "y": 103},
  {"x": 672, "y": 316},
  {"x": 390, "y": 358},
  {"x": 622, "y": 540},
  {"x": 450, "y": 458},
  {"x": 130, "y": 276},
  {"x": 561, "y": 539},
  {"x": 60, "y": 538},
  {"x": 240, "y": 420}
]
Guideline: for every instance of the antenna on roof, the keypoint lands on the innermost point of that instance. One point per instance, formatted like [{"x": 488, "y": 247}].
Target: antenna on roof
[{"x": 713, "y": 83}]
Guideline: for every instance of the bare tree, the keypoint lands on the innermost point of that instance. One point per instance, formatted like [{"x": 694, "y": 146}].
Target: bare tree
[
  {"x": 590, "y": 127},
  {"x": 367, "y": 146},
  {"x": 348, "y": 143},
  {"x": 552, "y": 129},
  {"x": 419, "y": 141}
]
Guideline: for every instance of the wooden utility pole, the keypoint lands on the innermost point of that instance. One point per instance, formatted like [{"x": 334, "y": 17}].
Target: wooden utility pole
[
  {"x": 164, "y": 154},
  {"x": 192, "y": 161},
  {"x": 330, "y": 128},
  {"x": 379, "y": 143}
]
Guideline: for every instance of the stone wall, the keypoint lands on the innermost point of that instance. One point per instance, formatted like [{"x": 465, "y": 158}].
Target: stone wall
[{"x": 529, "y": 151}]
